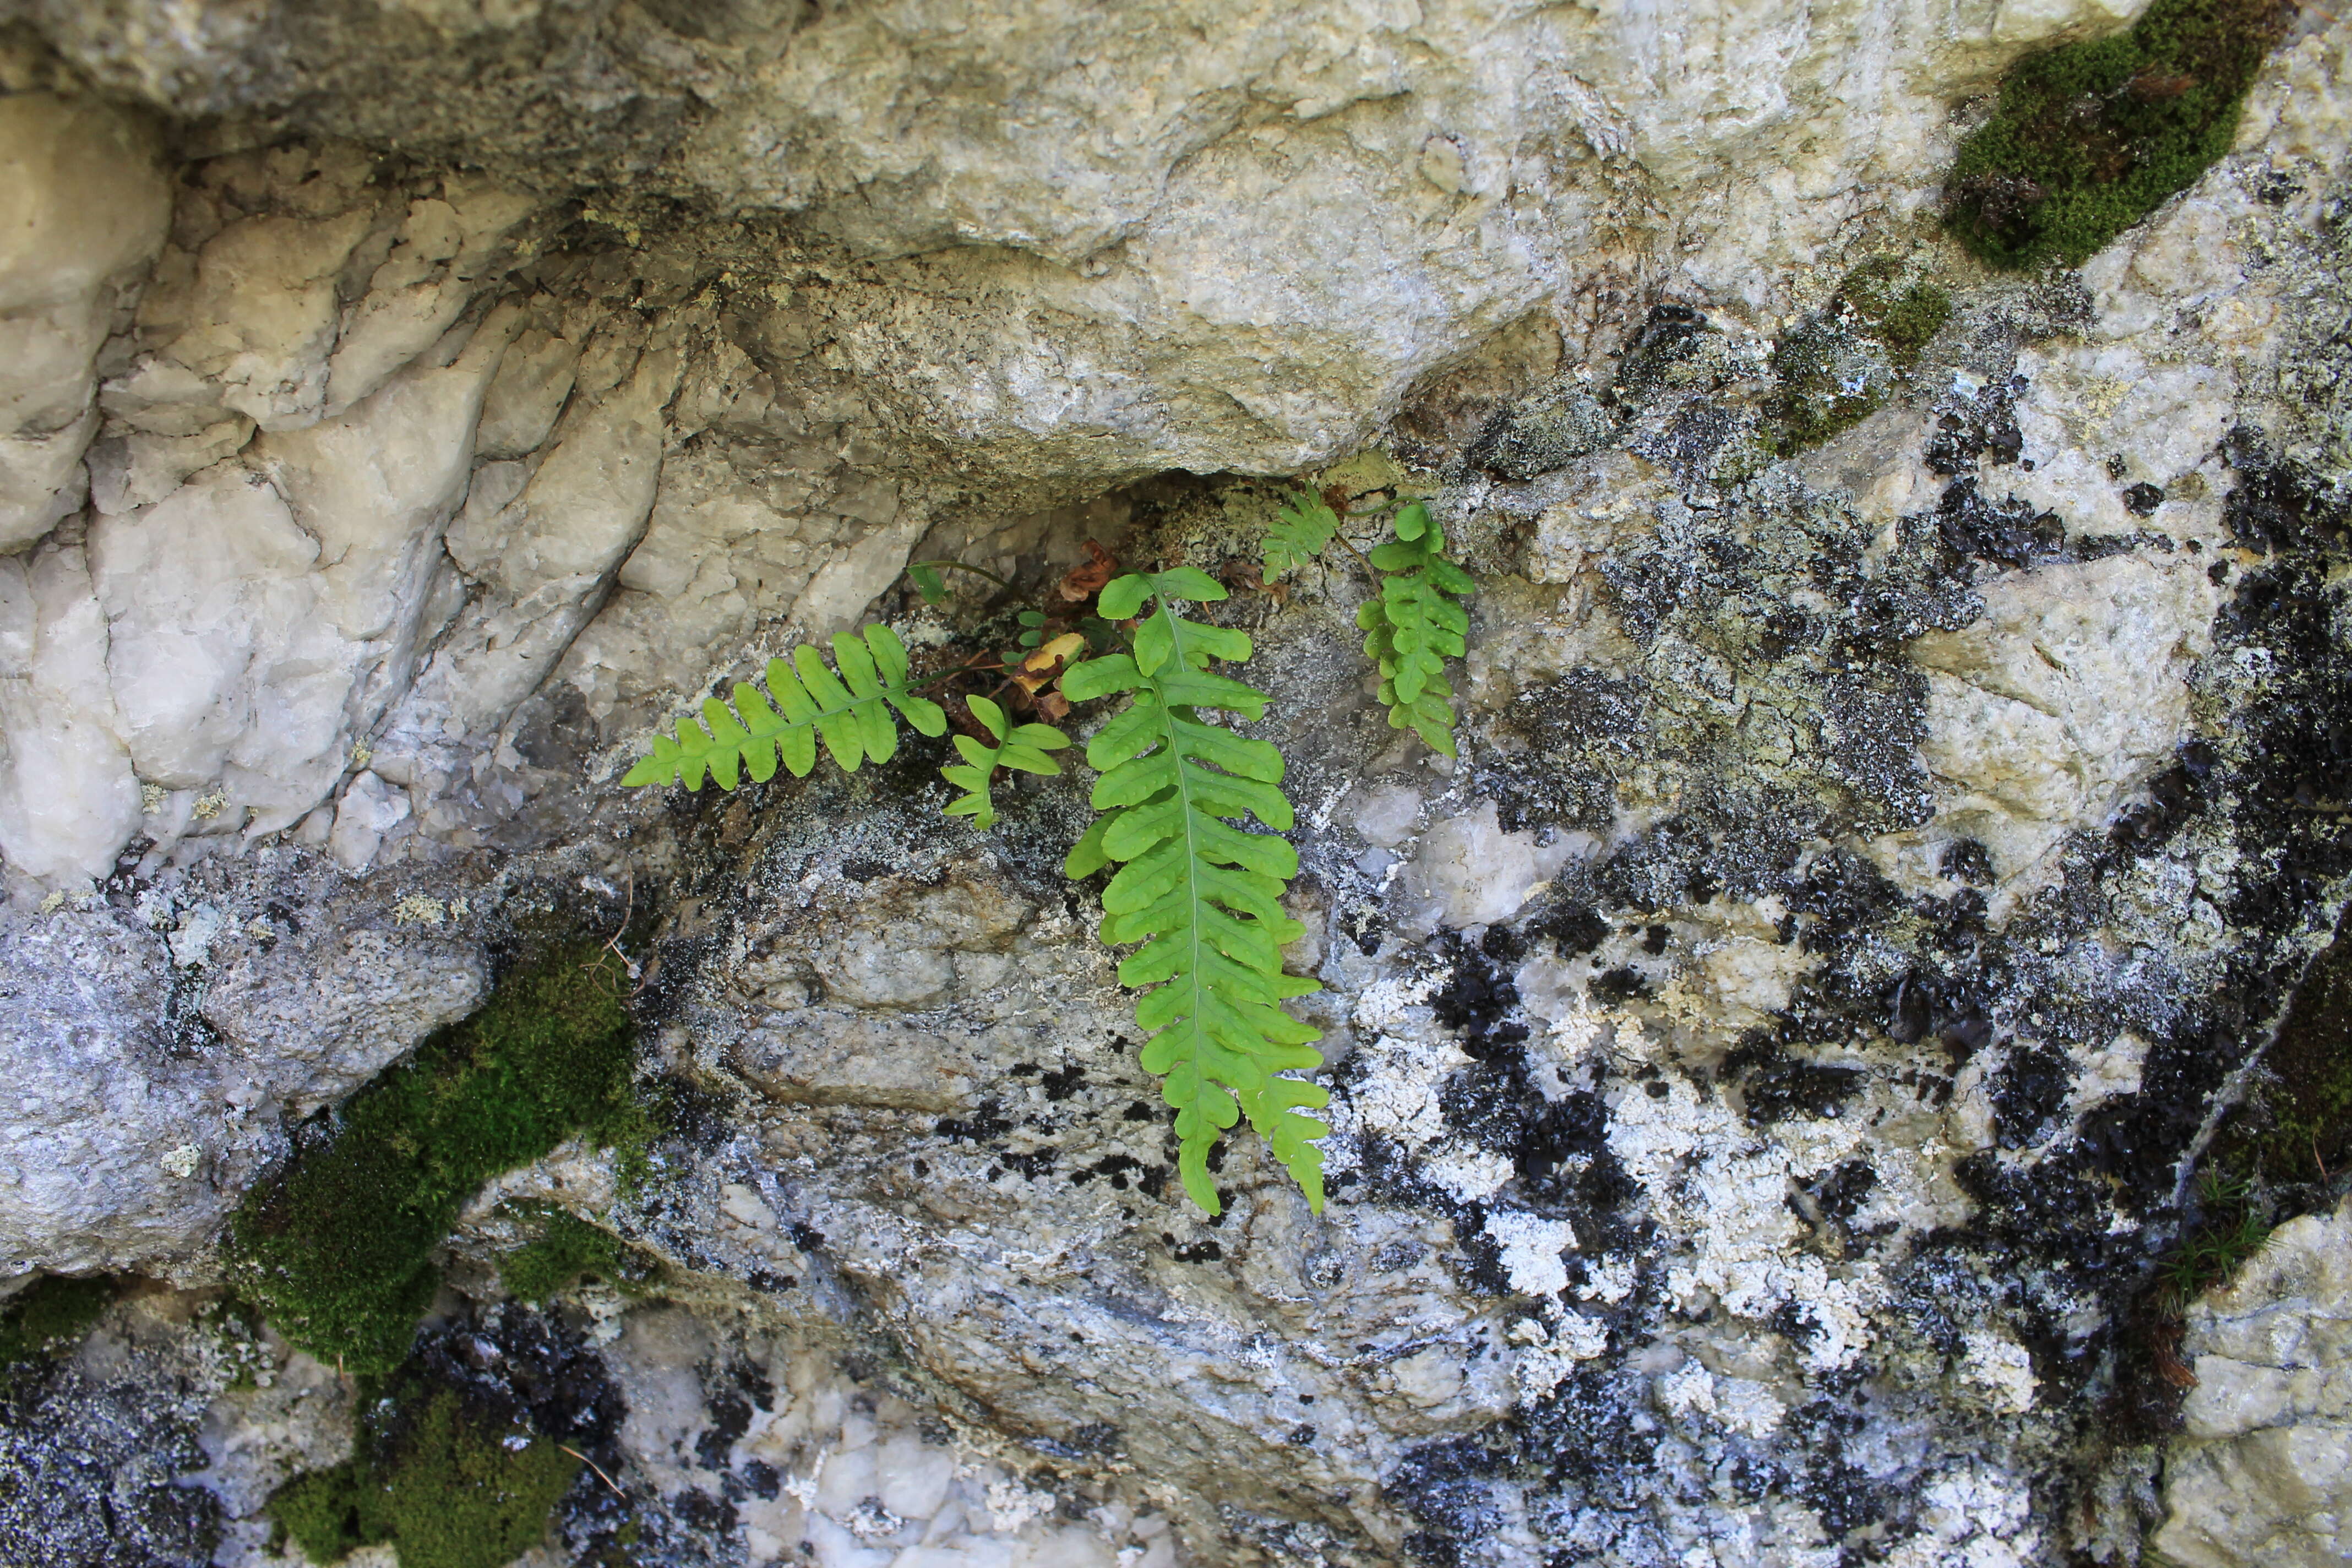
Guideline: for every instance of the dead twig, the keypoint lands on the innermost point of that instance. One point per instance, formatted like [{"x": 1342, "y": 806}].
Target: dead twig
[
  {"x": 593, "y": 1465},
  {"x": 612, "y": 942}
]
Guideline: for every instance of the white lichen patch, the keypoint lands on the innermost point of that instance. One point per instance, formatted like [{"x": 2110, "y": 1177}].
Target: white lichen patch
[
  {"x": 416, "y": 909},
  {"x": 1011, "y": 1505},
  {"x": 1741, "y": 1404},
  {"x": 192, "y": 942},
  {"x": 1548, "y": 1353},
  {"x": 1534, "y": 1251},
  {"x": 1722, "y": 1188},
  {"x": 1972, "y": 1517},
  {"x": 2000, "y": 1369}
]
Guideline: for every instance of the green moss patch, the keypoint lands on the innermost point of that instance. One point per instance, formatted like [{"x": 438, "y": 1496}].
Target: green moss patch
[
  {"x": 2297, "y": 1129},
  {"x": 50, "y": 1316},
  {"x": 568, "y": 1250},
  {"x": 2087, "y": 138},
  {"x": 338, "y": 1250},
  {"x": 447, "y": 1485},
  {"x": 2286, "y": 1149},
  {"x": 1840, "y": 364}
]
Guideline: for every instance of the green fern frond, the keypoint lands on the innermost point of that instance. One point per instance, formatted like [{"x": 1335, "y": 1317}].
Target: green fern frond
[
  {"x": 1415, "y": 626},
  {"x": 1299, "y": 534},
  {"x": 851, "y": 712},
  {"x": 1203, "y": 895},
  {"x": 1025, "y": 749}
]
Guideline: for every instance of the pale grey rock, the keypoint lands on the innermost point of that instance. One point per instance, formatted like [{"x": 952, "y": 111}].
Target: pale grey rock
[
  {"x": 1471, "y": 872},
  {"x": 2265, "y": 1472},
  {"x": 371, "y": 807},
  {"x": 330, "y": 1009},
  {"x": 2071, "y": 691},
  {"x": 83, "y": 214},
  {"x": 547, "y": 557},
  {"x": 154, "y": 1048},
  {"x": 522, "y": 403},
  {"x": 68, "y": 797},
  {"x": 98, "y": 1096}
]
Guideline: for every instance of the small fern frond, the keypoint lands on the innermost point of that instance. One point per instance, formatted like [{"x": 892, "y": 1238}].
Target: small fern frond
[
  {"x": 1023, "y": 748},
  {"x": 1415, "y": 626},
  {"x": 850, "y": 711},
  {"x": 1201, "y": 895},
  {"x": 1300, "y": 532}
]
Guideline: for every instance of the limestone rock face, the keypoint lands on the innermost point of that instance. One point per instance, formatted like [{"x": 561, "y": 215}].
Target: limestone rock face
[
  {"x": 1774, "y": 1068},
  {"x": 1096, "y": 245},
  {"x": 86, "y": 206},
  {"x": 2262, "y": 1474}
]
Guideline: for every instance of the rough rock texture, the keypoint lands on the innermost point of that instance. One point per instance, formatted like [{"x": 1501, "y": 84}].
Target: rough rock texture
[
  {"x": 2262, "y": 1475},
  {"x": 1777, "y": 1071}
]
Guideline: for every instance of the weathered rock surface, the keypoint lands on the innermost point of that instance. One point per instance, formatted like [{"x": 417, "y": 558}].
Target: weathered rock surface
[
  {"x": 2262, "y": 1475},
  {"x": 1768, "y": 1066}
]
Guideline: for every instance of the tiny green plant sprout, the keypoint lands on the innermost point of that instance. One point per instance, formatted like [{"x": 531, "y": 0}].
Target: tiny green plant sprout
[{"x": 1191, "y": 812}]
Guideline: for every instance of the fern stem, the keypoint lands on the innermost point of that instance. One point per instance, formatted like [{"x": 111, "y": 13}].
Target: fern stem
[{"x": 1362, "y": 559}]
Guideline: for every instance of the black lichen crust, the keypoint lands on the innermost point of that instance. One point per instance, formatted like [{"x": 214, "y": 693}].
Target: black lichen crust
[
  {"x": 1752, "y": 713},
  {"x": 2080, "y": 1222},
  {"x": 93, "y": 1474}
]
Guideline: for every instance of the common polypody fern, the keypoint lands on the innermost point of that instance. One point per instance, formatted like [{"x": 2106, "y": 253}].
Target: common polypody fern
[
  {"x": 1203, "y": 895},
  {"x": 1415, "y": 626},
  {"x": 810, "y": 701},
  {"x": 1302, "y": 529}
]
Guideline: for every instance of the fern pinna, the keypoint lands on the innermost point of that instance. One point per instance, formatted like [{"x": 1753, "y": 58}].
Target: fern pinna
[
  {"x": 1415, "y": 626},
  {"x": 848, "y": 710},
  {"x": 1203, "y": 895}
]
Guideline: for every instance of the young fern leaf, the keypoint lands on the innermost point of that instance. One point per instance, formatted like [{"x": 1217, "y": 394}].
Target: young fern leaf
[
  {"x": 1025, "y": 748},
  {"x": 1203, "y": 897},
  {"x": 1415, "y": 626},
  {"x": 1300, "y": 532},
  {"x": 851, "y": 712}
]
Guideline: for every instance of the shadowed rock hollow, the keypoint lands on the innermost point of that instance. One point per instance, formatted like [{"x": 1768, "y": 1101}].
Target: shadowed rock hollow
[{"x": 1808, "y": 1080}]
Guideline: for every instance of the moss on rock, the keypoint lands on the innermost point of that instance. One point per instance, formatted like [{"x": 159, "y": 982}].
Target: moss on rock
[
  {"x": 1840, "y": 364},
  {"x": 445, "y": 1486},
  {"x": 568, "y": 1249},
  {"x": 2088, "y": 137},
  {"x": 51, "y": 1315},
  {"x": 338, "y": 1250}
]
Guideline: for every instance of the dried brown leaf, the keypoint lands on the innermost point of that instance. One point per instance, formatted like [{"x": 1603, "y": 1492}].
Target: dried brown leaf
[{"x": 1083, "y": 582}]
